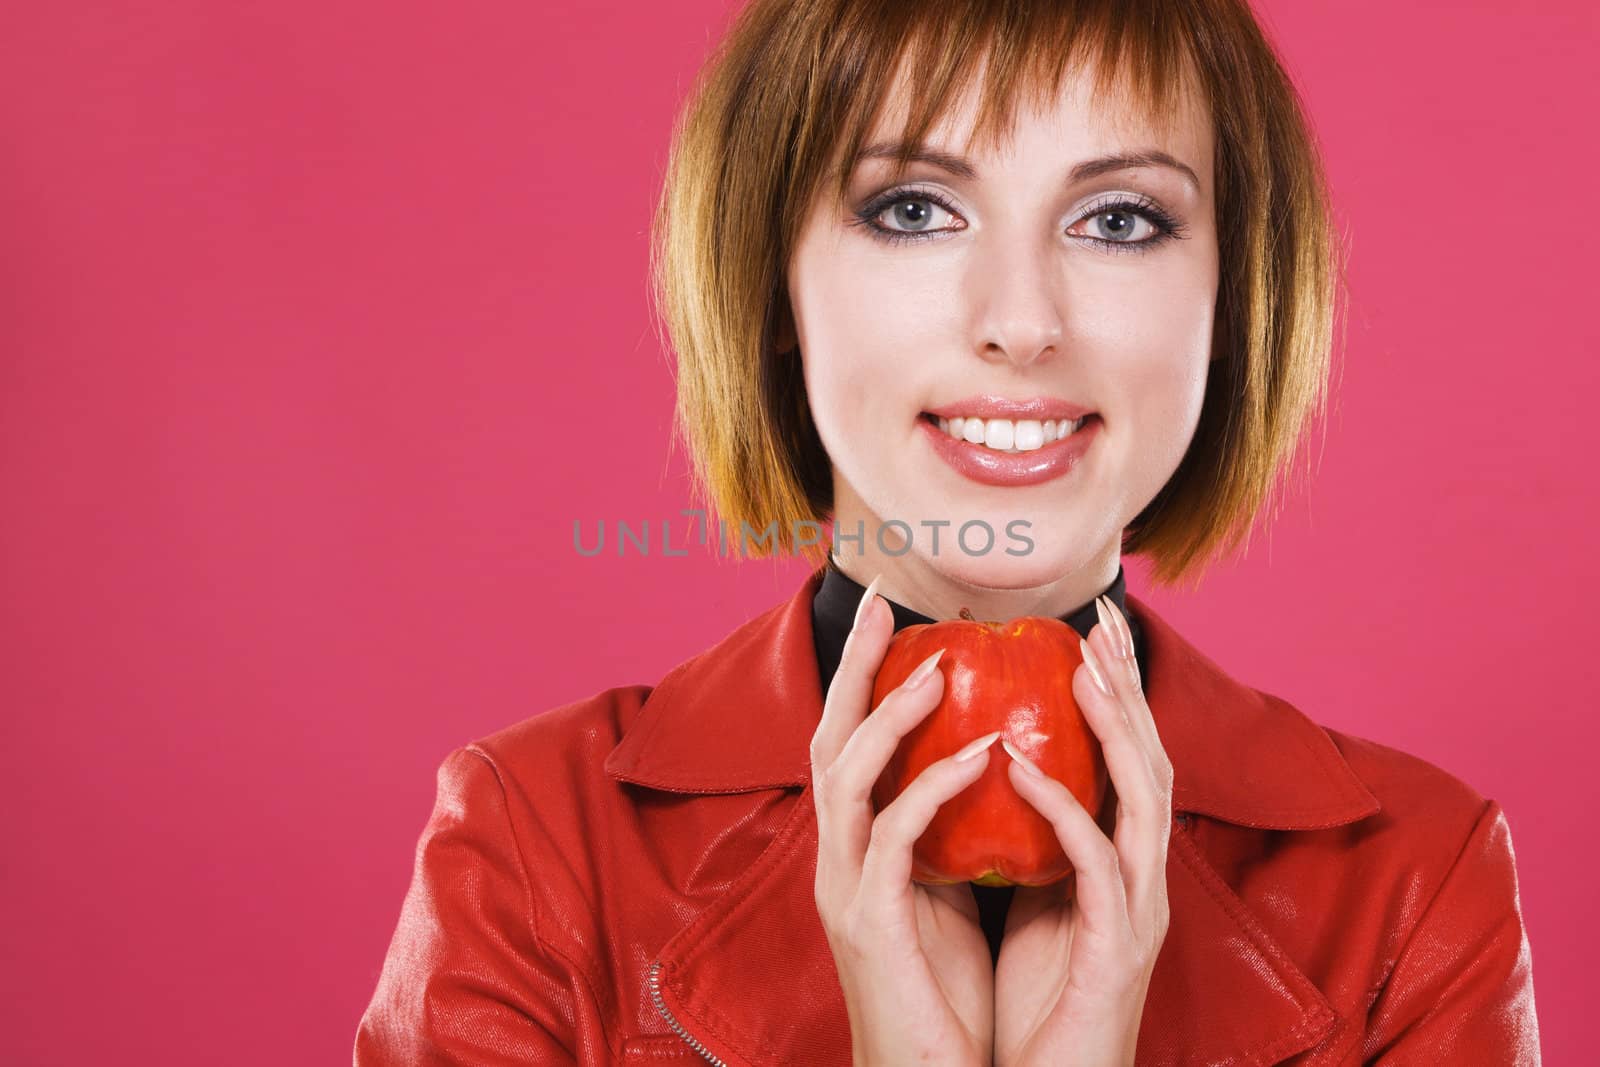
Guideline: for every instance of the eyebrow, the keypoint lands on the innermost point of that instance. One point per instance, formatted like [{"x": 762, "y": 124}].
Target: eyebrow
[{"x": 1089, "y": 168}]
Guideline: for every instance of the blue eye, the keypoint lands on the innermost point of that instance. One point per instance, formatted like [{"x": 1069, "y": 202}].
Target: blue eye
[
  {"x": 914, "y": 216},
  {"x": 1120, "y": 220},
  {"x": 1122, "y": 223}
]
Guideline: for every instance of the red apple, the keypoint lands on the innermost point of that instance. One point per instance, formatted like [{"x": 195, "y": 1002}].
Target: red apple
[{"x": 1015, "y": 677}]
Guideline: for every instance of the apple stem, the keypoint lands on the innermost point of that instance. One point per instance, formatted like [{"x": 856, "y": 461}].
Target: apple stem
[{"x": 966, "y": 613}]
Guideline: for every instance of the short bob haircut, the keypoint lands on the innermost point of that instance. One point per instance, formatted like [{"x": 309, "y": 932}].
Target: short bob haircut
[{"x": 793, "y": 81}]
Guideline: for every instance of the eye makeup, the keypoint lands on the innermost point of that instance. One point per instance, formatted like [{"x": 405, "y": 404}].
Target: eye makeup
[{"x": 1165, "y": 226}]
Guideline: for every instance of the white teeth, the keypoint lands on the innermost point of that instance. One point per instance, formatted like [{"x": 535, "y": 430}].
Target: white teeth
[
  {"x": 1008, "y": 435},
  {"x": 1030, "y": 435},
  {"x": 999, "y": 433}
]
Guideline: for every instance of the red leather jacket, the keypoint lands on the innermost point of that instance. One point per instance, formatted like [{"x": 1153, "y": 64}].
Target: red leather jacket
[{"x": 629, "y": 879}]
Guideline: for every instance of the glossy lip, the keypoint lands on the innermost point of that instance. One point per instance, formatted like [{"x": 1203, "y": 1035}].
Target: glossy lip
[
  {"x": 1012, "y": 469},
  {"x": 999, "y": 407}
]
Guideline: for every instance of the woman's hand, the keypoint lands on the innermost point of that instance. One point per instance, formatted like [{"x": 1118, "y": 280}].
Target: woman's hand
[
  {"x": 912, "y": 959},
  {"x": 1075, "y": 963}
]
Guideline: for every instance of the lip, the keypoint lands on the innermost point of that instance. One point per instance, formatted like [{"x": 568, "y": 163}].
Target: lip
[
  {"x": 999, "y": 407},
  {"x": 985, "y": 465}
]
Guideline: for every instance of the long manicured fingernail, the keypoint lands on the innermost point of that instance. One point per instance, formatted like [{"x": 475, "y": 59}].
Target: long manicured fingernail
[
  {"x": 866, "y": 598},
  {"x": 1027, "y": 764},
  {"x": 1093, "y": 664},
  {"x": 924, "y": 671},
  {"x": 1123, "y": 628},
  {"x": 976, "y": 747},
  {"x": 1107, "y": 612}
]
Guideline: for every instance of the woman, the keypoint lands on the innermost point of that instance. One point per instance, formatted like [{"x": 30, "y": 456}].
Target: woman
[{"x": 935, "y": 270}]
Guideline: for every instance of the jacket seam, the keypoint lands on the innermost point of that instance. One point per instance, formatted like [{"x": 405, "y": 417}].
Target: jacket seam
[
  {"x": 532, "y": 912},
  {"x": 789, "y": 838},
  {"x": 1313, "y": 1003},
  {"x": 1427, "y": 911}
]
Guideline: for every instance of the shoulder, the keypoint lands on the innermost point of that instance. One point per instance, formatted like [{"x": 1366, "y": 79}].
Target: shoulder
[
  {"x": 1344, "y": 900},
  {"x": 572, "y": 736},
  {"x": 549, "y": 767},
  {"x": 1432, "y": 829},
  {"x": 1425, "y": 808},
  {"x": 541, "y": 772},
  {"x": 539, "y": 786},
  {"x": 1437, "y": 867}
]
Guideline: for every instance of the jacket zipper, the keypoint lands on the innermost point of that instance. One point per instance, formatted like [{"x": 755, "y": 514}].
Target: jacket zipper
[{"x": 661, "y": 1006}]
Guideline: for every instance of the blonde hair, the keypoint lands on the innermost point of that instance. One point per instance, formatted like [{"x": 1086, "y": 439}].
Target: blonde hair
[{"x": 794, "y": 80}]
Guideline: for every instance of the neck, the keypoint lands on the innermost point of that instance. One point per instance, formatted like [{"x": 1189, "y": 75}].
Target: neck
[{"x": 939, "y": 592}]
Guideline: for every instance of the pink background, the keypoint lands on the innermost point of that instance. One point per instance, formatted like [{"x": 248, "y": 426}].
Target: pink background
[{"x": 304, "y": 303}]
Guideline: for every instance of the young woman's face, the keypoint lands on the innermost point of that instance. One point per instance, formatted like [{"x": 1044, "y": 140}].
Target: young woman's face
[{"x": 1011, "y": 277}]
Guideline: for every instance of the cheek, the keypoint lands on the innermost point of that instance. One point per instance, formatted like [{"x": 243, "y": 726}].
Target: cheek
[
  {"x": 1164, "y": 392},
  {"x": 1158, "y": 350},
  {"x": 874, "y": 305},
  {"x": 865, "y": 324}
]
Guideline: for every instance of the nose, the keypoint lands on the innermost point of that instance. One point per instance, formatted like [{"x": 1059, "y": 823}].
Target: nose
[{"x": 1016, "y": 288}]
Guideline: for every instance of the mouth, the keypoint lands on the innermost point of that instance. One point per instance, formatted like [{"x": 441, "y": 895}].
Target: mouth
[
  {"x": 1009, "y": 436},
  {"x": 1020, "y": 462}
]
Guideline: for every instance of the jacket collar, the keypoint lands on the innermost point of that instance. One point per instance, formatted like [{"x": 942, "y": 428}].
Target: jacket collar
[{"x": 1237, "y": 754}]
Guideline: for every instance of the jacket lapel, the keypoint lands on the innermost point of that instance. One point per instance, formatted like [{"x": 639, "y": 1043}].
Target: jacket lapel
[
  {"x": 1222, "y": 992},
  {"x": 752, "y": 978}
]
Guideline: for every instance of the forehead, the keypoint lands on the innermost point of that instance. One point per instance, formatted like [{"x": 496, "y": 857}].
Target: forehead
[{"x": 1074, "y": 118}]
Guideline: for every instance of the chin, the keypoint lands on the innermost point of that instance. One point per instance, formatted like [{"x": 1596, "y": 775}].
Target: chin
[{"x": 997, "y": 570}]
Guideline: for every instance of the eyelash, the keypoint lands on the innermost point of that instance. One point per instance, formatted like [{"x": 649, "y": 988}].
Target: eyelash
[{"x": 1167, "y": 227}]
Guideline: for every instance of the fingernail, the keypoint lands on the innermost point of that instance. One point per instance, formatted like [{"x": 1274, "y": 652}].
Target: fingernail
[
  {"x": 1094, "y": 667},
  {"x": 1107, "y": 613},
  {"x": 1027, "y": 764},
  {"x": 976, "y": 747},
  {"x": 866, "y": 598},
  {"x": 1121, "y": 618},
  {"x": 923, "y": 672}
]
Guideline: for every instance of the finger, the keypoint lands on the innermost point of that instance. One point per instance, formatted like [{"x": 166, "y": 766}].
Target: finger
[
  {"x": 886, "y": 872},
  {"x": 844, "y": 802},
  {"x": 1144, "y": 804},
  {"x": 1132, "y": 774},
  {"x": 1109, "y": 666},
  {"x": 1123, "y": 677},
  {"x": 850, "y": 691},
  {"x": 1102, "y": 895},
  {"x": 1138, "y": 709},
  {"x": 1117, "y": 653},
  {"x": 1111, "y": 617},
  {"x": 1144, "y": 722}
]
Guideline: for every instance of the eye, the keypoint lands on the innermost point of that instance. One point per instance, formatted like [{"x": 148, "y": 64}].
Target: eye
[
  {"x": 1120, "y": 226},
  {"x": 1128, "y": 225},
  {"x": 908, "y": 215},
  {"x": 913, "y": 214}
]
